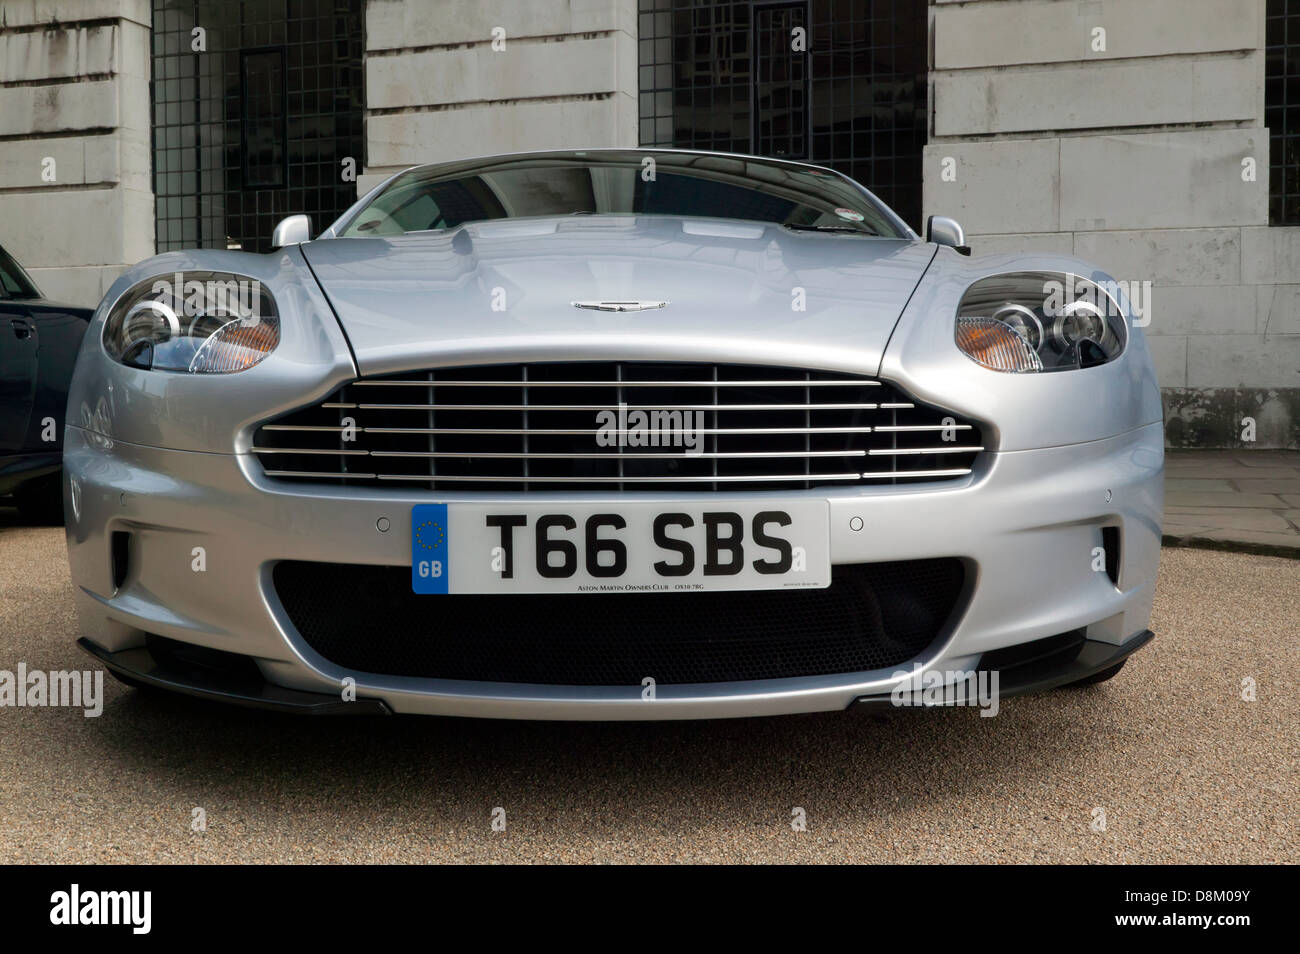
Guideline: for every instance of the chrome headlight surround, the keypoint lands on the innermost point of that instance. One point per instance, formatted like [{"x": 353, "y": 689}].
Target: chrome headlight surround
[
  {"x": 195, "y": 322},
  {"x": 1026, "y": 322}
]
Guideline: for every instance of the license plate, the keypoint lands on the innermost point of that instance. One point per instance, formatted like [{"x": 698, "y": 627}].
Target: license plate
[{"x": 629, "y": 548}]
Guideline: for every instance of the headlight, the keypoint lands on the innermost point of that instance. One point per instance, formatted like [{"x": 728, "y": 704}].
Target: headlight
[
  {"x": 1039, "y": 321},
  {"x": 199, "y": 322}
]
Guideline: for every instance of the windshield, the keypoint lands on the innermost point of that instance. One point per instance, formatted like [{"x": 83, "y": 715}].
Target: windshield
[{"x": 621, "y": 183}]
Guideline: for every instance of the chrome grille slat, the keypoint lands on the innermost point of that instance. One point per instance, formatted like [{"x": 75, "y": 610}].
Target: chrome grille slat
[
  {"x": 906, "y": 428},
  {"x": 614, "y": 384},
  {"x": 936, "y": 472},
  {"x": 332, "y": 428},
  {"x": 635, "y": 455},
  {"x": 348, "y": 475},
  {"x": 331, "y": 451},
  {"x": 911, "y": 451},
  {"x": 592, "y": 432},
  {"x": 547, "y": 426},
  {"x": 615, "y": 479},
  {"x": 630, "y": 407},
  {"x": 949, "y": 472}
]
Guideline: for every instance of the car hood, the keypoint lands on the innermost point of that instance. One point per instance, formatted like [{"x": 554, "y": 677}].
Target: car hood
[{"x": 503, "y": 291}]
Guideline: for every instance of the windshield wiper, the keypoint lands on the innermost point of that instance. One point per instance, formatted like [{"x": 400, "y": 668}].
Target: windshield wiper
[{"x": 832, "y": 228}]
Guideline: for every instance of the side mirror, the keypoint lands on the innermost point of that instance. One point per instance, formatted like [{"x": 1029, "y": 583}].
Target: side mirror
[
  {"x": 942, "y": 230},
  {"x": 293, "y": 230}
]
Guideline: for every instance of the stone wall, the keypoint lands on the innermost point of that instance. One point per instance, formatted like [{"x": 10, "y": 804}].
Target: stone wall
[
  {"x": 1131, "y": 157},
  {"x": 76, "y": 201},
  {"x": 562, "y": 74}
]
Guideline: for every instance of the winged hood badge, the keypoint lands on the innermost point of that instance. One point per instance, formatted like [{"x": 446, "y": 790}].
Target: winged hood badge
[{"x": 619, "y": 305}]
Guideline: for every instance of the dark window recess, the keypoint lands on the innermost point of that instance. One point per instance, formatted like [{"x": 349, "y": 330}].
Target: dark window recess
[
  {"x": 257, "y": 125},
  {"x": 722, "y": 75},
  {"x": 781, "y": 81},
  {"x": 264, "y": 128},
  {"x": 1282, "y": 110}
]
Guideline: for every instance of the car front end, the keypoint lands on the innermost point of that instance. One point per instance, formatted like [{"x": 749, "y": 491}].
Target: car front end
[{"x": 428, "y": 491}]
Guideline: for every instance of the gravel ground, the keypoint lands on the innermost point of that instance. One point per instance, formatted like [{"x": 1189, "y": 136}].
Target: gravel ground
[{"x": 1184, "y": 769}]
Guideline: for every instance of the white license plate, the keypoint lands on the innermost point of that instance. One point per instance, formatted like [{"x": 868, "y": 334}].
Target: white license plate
[{"x": 657, "y": 546}]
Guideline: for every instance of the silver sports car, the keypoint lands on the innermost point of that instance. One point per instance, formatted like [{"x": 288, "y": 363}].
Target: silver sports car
[{"x": 613, "y": 435}]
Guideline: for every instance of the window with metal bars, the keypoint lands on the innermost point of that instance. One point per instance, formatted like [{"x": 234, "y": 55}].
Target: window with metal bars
[
  {"x": 723, "y": 75},
  {"x": 1282, "y": 110},
  {"x": 780, "y": 81},
  {"x": 254, "y": 126}
]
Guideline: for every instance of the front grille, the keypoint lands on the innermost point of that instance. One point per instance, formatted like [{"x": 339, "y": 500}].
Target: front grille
[
  {"x": 872, "y": 616},
  {"x": 558, "y": 427}
]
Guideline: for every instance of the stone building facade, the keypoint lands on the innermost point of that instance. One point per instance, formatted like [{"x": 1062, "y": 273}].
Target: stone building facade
[{"x": 1157, "y": 138}]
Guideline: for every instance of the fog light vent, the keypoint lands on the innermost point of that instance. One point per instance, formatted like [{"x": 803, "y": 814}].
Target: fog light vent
[
  {"x": 1110, "y": 543},
  {"x": 120, "y": 556}
]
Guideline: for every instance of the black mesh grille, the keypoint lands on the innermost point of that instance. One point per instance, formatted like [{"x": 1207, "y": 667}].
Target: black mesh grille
[
  {"x": 873, "y": 616},
  {"x": 548, "y": 427}
]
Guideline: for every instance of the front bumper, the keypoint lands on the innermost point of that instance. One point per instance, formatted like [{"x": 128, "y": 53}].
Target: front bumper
[
  {"x": 205, "y": 531},
  {"x": 139, "y": 667}
]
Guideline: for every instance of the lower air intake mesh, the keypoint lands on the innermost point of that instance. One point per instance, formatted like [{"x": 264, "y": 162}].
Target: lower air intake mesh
[{"x": 873, "y": 616}]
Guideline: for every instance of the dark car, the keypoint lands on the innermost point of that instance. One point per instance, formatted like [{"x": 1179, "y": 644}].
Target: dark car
[{"x": 38, "y": 347}]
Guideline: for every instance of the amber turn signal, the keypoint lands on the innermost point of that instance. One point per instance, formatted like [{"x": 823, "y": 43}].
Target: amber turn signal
[{"x": 996, "y": 345}]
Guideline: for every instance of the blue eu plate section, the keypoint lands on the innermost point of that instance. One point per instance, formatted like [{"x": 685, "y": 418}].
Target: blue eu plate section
[{"x": 429, "y": 540}]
